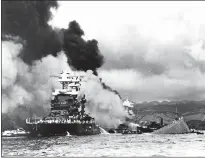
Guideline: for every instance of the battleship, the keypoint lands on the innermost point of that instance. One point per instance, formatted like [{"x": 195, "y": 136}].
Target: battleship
[{"x": 67, "y": 113}]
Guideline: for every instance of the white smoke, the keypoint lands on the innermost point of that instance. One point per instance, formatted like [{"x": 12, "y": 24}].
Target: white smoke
[
  {"x": 28, "y": 85},
  {"x": 31, "y": 86},
  {"x": 105, "y": 106}
]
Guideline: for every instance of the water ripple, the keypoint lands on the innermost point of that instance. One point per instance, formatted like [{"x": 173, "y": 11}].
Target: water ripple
[{"x": 107, "y": 145}]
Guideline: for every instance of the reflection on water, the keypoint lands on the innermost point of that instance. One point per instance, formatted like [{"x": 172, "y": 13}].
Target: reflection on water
[{"x": 107, "y": 145}]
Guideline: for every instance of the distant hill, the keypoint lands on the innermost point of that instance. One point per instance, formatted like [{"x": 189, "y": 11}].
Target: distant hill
[
  {"x": 190, "y": 110},
  {"x": 196, "y": 124},
  {"x": 183, "y": 107}
]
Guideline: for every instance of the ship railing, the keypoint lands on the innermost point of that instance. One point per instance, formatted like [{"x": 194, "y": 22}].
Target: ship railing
[{"x": 52, "y": 121}]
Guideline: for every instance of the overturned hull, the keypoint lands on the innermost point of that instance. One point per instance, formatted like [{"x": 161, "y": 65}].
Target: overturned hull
[
  {"x": 177, "y": 127},
  {"x": 43, "y": 129}
]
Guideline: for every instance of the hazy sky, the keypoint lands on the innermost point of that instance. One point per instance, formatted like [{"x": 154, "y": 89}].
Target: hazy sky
[{"x": 153, "y": 50}]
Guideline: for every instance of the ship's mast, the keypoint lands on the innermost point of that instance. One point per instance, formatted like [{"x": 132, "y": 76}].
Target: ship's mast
[{"x": 176, "y": 113}]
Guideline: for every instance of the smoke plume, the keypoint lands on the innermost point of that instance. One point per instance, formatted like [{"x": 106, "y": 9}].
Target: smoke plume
[
  {"x": 27, "y": 89},
  {"x": 103, "y": 104},
  {"x": 29, "y": 20},
  {"x": 33, "y": 51},
  {"x": 83, "y": 55}
]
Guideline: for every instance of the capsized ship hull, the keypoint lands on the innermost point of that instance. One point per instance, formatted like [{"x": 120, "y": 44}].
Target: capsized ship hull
[
  {"x": 43, "y": 129},
  {"x": 177, "y": 127}
]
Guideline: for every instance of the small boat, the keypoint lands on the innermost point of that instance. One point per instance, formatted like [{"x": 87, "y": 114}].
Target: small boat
[
  {"x": 15, "y": 133},
  {"x": 8, "y": 133},
  {"x": 199, "y": 132},
  {"x": 195, "y": 131}
]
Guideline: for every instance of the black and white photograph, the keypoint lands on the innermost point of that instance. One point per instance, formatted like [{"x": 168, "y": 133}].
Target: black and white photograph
[{"x": 102, "y": 78}]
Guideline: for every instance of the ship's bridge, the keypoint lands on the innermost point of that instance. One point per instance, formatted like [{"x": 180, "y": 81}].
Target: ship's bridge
[{"x": 70, "y": 76}]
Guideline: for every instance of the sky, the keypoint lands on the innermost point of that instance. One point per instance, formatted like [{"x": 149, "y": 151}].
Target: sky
[{"x": 153, "y": 50}]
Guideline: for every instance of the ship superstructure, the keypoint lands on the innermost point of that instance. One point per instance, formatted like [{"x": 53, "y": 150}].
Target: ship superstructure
[{"x": 67, "y": 113}]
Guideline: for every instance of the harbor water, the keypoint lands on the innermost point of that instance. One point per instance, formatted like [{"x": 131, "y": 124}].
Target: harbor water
[{"x": 106, "y": 145}]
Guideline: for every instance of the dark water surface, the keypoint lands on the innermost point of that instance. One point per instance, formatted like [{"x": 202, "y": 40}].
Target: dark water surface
[{"x": 107, "y": 145}]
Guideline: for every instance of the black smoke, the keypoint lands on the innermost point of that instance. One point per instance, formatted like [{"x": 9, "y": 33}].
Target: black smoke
[
  {"x": 83, "y": 55},
  {"x": 29, "y": 21},
  {"x": 110, "y": 89}
]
